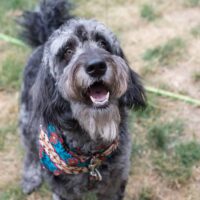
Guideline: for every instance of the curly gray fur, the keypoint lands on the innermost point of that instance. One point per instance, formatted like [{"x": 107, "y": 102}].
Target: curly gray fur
[{"x": 55, "y": 91}]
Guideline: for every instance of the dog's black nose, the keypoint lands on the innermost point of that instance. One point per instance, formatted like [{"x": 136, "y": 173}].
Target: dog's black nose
[{"x": 96, "y": 68}]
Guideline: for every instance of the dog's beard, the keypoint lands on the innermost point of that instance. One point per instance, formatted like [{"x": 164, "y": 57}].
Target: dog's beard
[{"x": 99, "y": 123}]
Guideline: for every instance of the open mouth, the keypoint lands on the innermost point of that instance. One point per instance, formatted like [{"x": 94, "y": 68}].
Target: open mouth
[{"x": 99, "y": 94}]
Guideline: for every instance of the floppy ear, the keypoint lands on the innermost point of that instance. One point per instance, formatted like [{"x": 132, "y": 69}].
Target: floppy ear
[{"x": 135, "y": 95}]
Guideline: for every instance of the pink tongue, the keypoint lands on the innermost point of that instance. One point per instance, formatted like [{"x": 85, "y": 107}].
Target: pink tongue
[{"x": 98, "y": 92}]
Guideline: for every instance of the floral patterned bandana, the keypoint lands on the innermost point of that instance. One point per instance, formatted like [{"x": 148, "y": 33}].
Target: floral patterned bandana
[{"x": 58, "y": 159}]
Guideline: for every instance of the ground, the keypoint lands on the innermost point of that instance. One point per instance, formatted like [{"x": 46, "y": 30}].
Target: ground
[{"x": 161, "y": 40}]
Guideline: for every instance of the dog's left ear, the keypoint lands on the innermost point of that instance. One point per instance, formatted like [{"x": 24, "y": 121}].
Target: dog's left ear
[{"x": 135, "y": 95}]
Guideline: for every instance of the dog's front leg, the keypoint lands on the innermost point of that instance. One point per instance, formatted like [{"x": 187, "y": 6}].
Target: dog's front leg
[{"x": 32, "y": 177}]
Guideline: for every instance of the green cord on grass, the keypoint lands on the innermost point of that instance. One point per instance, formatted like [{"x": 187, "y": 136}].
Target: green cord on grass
[
  {"x": 173, "y": 95},
  {"x": 11, "y": 40}
]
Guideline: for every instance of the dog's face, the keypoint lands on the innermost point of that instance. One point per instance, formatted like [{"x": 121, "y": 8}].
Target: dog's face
[
  {"x": 91, "y": 73},
  {"x": 83, "y": 57}
]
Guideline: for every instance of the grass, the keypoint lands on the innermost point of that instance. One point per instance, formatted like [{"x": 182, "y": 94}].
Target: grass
[
  {"x": 10, "y": 11},
  {"x": 170, "y": 158},
  {"x": 177, "y": 166},
  {"x": 11, "y": 71},
  {"x": 167, "y": 53},
  {"x": 17, "y": 4},
  {"x": 4, "y": 130},
  {"x": 148, "y": 12},
  {"x": 137, "y": 148},
  {"x": 196, "y": 31},
  {"x": 161, "y": 135},
  {"x": 171, "y": 169},
  {"x": 192, "y": 3},
  {"x": 11, "y": 66},
  {"x": 157, "y": 151},
  {"x": 13, "y": 193},
  {"x": 196, "y": 76},
  {"x": 139, "y": 122},
  {"x": 188, "y": 153},
  {"x": 146, "y": 194}
]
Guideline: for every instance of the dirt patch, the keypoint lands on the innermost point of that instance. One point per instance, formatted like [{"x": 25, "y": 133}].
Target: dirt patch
[
  {"x": 8, "y": 107},
  {"x": 10, "y": 156},
  {"x": 10, "y": 167}
]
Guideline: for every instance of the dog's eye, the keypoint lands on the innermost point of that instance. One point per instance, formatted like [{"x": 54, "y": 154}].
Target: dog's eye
[
  {"x": 68, "y": 52},
  {"x": 102, "y": 44}
]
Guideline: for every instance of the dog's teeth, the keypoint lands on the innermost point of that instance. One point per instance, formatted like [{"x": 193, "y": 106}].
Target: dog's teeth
[{"x": 100, "y": 102}]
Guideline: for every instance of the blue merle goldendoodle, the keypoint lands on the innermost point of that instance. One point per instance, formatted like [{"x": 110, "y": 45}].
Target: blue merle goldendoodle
[{"x": 73, "y": 116}]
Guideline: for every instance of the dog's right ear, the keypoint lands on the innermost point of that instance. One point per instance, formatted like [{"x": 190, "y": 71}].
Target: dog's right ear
[{"x": 135, "y": 96}]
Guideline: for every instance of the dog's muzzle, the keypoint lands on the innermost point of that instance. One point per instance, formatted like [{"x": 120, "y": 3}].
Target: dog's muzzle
[{"x": 97, "y": 92}]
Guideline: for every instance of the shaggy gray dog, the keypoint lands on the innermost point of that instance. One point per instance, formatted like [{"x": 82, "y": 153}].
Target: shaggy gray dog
[{"x": 77, "y": 79}]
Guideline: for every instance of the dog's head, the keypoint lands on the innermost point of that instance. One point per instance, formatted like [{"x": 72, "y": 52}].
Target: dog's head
[{"x": 88, "y": 69}]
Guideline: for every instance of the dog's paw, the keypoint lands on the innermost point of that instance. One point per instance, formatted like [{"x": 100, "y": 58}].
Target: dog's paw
[
  {"x": 29, "y": 186},
  {"x": 32, "y": 179}
]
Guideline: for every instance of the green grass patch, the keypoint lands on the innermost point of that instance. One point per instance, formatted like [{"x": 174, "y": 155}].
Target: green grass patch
[
  {"x": 167, "y": 53},
  {"x": 148, "y": 12},
  {"x": 192, "y": 3},
  {"x": 8, "y": 24},
  {"x": 188, "y": 153},
  {"x": 161, "y": 135},
  {"x": 14, "y": 193},
  {"x": 11, "y": 72},
  {"x": 139, "y": 121},
  {"x": 177, "y": 165},
  {"x": 9, "y": 11},
  {"x": 196, "y": 31},
  {"x": 146, "y": 194},
  {"x": 17, "y": 4},
  {"x": 172, "y": 169},
  {"x": 196, "y": 76}
]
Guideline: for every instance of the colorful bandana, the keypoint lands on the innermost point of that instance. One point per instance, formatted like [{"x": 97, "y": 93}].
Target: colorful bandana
[{"x": 58, "y": 159}]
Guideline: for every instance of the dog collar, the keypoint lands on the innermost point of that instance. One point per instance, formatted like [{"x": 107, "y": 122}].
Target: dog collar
[{"x": 57, "y": 158}]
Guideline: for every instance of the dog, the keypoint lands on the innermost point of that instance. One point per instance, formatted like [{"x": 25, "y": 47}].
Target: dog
[{"x": 76, "y": 91}]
